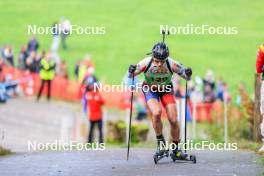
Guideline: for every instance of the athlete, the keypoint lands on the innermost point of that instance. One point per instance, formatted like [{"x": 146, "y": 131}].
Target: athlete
[
  {"x": 157, "y": 87},
  {"x": 260, "y": 70}
]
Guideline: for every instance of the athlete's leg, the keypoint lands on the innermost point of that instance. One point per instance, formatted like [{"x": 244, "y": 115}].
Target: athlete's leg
[
  {"x": 154, "y": 107},
  {"x": 174, "y": 125},
  {"x": 168, "y": 101},
  {"x": 155, "y": 110}
]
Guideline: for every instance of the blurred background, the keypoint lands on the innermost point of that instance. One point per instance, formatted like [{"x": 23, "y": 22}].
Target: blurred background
[{"x": 220, "y": 98}]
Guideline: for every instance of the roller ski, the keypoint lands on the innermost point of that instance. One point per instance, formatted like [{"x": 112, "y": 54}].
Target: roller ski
[
  {"x": 176, "y": 153},
  {"x": 181, "y": 156},
  {"x": 161, "y": 151}
]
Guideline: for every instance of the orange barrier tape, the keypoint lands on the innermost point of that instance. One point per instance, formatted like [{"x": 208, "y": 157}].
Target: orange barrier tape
[{"x": 71, "y": 90}]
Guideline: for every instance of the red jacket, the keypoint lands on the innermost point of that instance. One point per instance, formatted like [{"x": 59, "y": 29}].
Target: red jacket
[
  {"x": 94, "y": 103},
  {"x": 260, "y": 59}
]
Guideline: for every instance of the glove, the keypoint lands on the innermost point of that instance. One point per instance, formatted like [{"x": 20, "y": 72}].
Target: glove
[
  {"x": 132, "y": 68},
  {"x": 188, "y": 72}
]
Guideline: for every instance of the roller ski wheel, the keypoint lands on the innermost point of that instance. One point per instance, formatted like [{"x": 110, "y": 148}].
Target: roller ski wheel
[
  {"x": 193, "y": 159},
  {"x": 159, "y": 155},
  {"x": 178, "y": 155}
]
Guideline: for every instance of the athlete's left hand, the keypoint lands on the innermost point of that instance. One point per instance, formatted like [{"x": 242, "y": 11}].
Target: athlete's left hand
[{"x": 188, "y": 72}]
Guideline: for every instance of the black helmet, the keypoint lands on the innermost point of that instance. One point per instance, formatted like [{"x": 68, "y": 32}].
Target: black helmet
[{"x": 160, "y": 51}]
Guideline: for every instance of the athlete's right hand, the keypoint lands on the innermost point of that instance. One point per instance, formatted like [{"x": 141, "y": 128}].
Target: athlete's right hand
[
  {"x": 188, "y": 73},
  {"x": 132, "y": 68}
]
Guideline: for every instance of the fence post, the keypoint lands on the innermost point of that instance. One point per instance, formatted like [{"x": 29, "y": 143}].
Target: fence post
[
  {"x": 257, "y": 115},
  {"x": 194, "y": 99},
  {"x": 182, "y": 107},
  {"x": 180, "y": 116},
  {"x": 225, "y": 120}
]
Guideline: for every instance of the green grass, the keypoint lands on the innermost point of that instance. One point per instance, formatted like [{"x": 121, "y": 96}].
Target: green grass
[
  {"x": 132, "y": 27},
  {"x": 4, "y": 151},
  {"x": 249, "y": 145},
  {"x": 253, "y": 146}
]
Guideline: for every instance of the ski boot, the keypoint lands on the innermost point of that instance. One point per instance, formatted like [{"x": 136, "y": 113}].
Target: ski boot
[
  {"x": 179, "y": 155},
  {"x": 161, "y": 152}
]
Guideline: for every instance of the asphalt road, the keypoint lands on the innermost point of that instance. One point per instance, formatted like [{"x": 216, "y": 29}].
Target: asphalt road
[
  {"x": 23, "y": 120},
  {"x": 113, "y": 162}
]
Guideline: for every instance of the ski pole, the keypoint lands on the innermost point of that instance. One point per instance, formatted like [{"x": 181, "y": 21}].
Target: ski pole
[
  {"x": 130, "y": 117},
  {"x": 163, "y": 35},
  {"x": 185, "y": 116}
]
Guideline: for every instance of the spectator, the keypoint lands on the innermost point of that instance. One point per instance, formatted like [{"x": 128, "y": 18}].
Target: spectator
[
  {"x": 56, "y": 58},
  {"x": 47, "y": 74},
  {"x": 89, "y": 79},
  {"x": 33, "y": 44},
  {"x": 30, "y": 61},
  {"x": 191, "y": 89},
  {"x": 65, "y": 31},
  {"x": 220, "y": 89},
  {"x": 2, "y": 63},
  {"x": 2, "y": 75},
  {"x": 177, "y": 87},
  {"x": 3, "y": 96},
  {"x": 95, "y": 114},
  {"x": 7, "y": 87},
  {"x": 36, "y": 62},
  {"x": 140, "y": 107},
  {"x": 22, "y": 56},
  {"x": 83, "y": 66},
  {"x": 227, "y": 95},
  {"x": 7, "y": 54},
  {"x": 128, "y": 81},
  {"x": 55, "y": 37},
  {"x": 63, "y": 71},
  {"x": 208, "y": 87},
  {"x": 76, "y": 70},
  {"x": 259, "y": 70},
  {"x": 209, "y": 96},
  {"x": 242, "y": 97},
  {"x": 197, "y": 94}
]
